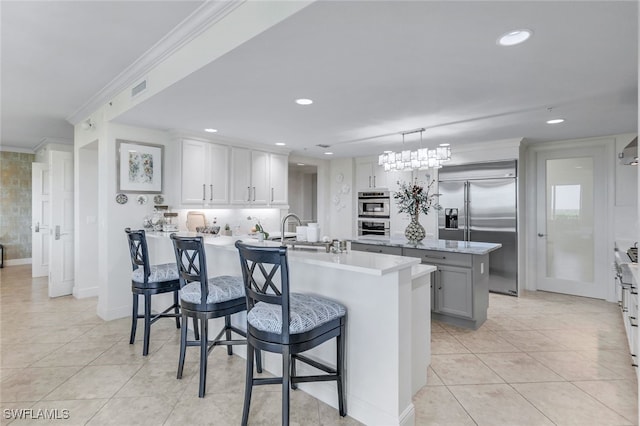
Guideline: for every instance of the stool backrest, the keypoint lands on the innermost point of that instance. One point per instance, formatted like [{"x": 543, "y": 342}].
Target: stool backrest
[
  {"x": 192, "y": 263},
  {"x": 265, "y": 271},
  {"x": 139, "y": 251}
]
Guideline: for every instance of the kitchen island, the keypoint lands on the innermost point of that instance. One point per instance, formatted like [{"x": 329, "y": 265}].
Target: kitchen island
[
  {"x": 388, "y": 322},
  {"x": 460, "y": 290}
]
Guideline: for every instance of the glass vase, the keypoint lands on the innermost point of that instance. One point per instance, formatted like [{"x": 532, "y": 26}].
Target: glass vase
[{"x": 414, "y": 232}]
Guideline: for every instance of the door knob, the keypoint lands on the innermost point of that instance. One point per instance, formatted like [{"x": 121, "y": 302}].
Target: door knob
[{"x": 541, "y": 235}]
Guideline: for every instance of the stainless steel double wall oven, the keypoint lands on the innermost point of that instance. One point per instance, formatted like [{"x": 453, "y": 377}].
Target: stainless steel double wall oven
[{"x": 373, "y": 213}]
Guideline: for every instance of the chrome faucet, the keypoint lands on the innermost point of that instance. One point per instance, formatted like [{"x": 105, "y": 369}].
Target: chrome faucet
[{"x": 284, "y": 222}]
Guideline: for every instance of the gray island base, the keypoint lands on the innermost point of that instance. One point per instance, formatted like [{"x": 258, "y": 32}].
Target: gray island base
[{"x": 460, "y": 286}]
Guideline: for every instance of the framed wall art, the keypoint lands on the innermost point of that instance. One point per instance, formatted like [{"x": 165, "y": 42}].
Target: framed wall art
[{"x": 139, "y": 167}]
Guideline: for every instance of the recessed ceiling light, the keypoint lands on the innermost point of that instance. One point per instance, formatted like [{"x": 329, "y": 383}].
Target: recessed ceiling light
[
  {"x": 300, "y": 164},
  {"x": 304, "y": 101},
  {"x": 514, "y": 37},
  {"x": 445, "y": 144},
  {"x": 387, "y": 152},
  {"x": 555, "y": 121},
  {"x": 210, "y": 130},
  {"x": 280, "y": 143},
  {"x": 328, "y": 153}
]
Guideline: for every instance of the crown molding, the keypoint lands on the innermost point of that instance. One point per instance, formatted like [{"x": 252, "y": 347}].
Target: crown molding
[
  {"x": 204, "y": 17},
  {"x": 47, "y": 141},
  {"x": 9, "y": 148}
]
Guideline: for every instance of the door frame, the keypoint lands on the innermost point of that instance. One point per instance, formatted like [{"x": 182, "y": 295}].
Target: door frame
[
  {"x": 39, "y": 220},
  {"x": 531, "y": 228}
]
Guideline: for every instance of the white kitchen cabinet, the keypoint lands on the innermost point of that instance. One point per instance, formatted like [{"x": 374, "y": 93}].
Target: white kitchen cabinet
[
  {"x": 205, "y": 173},
  {"x": 279, "y": 179},
  {"x": 369, "y": 175},
  {"x": 258, "y": 178}
]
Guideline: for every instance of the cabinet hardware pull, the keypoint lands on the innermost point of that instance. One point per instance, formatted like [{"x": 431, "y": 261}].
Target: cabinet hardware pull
[
  {"x": 434, "y": 257},
  {"x": 369, "y": 181},
  {"x": 272, "y": 195},
  {"x": 631, "y": 322},
  {"x": 203, "y": 190},
  {"x": 248, "y": 193},
  {"x": 374, "y": 181},
  {"x": 37, "y": 229},
  {"x": 211, "y": 197},
  {"x": 254, "y": 193}
]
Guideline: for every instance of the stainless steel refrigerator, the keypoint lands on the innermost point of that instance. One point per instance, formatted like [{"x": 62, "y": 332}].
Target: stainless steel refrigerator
[{"x": 479, "y": 204}]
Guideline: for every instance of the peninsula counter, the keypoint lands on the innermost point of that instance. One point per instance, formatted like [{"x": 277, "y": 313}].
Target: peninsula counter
[{"x": 388, "y": 321}]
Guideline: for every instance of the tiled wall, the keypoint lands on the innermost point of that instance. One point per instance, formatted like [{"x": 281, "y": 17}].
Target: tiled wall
[{"x": 15, "y": 204}]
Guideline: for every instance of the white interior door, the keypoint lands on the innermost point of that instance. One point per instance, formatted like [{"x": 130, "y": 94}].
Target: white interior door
[
  {"x": 571, "y": 209},
  {"x": 39, "y": 220},
  {"x": 61, "y": 271}
]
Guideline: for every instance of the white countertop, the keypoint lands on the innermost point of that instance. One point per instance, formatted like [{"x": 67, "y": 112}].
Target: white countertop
[
  {"x": 467, "y": 247},
  {"x": 353, "y": 260}
]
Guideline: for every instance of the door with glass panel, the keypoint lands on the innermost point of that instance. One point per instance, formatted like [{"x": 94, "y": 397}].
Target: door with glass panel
[{"x": 571, "y": 213}]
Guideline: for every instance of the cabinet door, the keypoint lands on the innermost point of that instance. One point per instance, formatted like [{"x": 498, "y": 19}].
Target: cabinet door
[
  {"x": 240, "y": 176},
  {"x": 364, "y": 177},
  {"x": 194, "y": 172},
  {"x": 454, "y": 291},
  {"x": 218, "y": 187},
  {"x": 279, "y": 178},
  {"x": 260, "y": 189},
  {"x": 379, "y": 176}
]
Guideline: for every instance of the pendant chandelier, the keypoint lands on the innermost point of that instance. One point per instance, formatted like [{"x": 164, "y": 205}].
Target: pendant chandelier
[{"x": 419, "y": 159}]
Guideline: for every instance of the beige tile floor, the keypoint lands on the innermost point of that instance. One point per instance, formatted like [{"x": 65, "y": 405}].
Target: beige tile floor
[{"x": 541, "y": 359}]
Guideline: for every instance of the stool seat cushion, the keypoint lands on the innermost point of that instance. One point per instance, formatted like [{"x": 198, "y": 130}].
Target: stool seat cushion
[
  {"x": 307, "y": 312},
  {"x": 159, "y": 273},
  {"x": 221, "y": 289}
]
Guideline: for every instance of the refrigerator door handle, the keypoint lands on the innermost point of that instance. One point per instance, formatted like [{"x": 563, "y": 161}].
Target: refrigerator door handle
[{"x": 466, "y": 212}]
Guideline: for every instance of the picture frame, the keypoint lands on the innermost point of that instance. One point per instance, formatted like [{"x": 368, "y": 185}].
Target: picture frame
[{"x": 140, "y": 167}]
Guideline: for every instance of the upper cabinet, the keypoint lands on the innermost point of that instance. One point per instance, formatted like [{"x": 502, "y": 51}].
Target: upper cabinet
[
  {"x": 279, "y": 179},
  {"x": 205, "y": 173},
  {"x": 258, "y": 178},
  {"x": 369, "y": 175},
  {"x": 216, "y": 175}
]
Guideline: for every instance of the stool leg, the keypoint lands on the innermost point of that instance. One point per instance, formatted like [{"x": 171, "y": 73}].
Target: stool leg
[
  {"x": 293, "y": 372},
  {"x": 342, "y": 401},
  {"x": 147, "y": 323},
  {"x": 196, "y": 333},
  {"x": 258, "y": 361},
  {"x": 227, "y": 332},
  {"x": 286, "y": 359},
  {"x": 204, "y": 343},
  {"x": 134, "y": 319},
  {"x": 248, "y": 385},
  {"x": 177, "y": 308},
  {"x": 183, "y": 346}
]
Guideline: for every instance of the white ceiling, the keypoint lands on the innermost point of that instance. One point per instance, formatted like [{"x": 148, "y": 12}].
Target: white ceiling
[{"x": 373, "y": 69}]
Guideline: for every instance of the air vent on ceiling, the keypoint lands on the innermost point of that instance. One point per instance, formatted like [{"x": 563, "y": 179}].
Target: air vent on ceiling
[
  {"x": 321, "y": 145},
  {"x": 138, "y": 88}
]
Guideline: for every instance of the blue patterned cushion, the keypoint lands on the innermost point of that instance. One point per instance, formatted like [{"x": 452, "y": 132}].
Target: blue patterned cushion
[
  {"x": 159, "y": 273},
  {"x": 306, "y": 312},
  {"x": 221, "y": 289}
]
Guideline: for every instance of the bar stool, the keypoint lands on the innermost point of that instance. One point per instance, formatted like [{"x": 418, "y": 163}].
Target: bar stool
[
  {"x": 204, "y": 298},
  {"x": 312, "y": 320},
  {"x": 147, "y": 280}
]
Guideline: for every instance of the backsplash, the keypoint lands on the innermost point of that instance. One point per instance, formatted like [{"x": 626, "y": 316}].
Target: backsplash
[{"x": 15, "y": 209}]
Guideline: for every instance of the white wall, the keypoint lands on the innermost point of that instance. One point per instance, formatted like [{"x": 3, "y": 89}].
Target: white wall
[
  {"x": 340, "y": 207},
  {"x": 87, "y": 217},
  {"x": 626, "y": 195}
]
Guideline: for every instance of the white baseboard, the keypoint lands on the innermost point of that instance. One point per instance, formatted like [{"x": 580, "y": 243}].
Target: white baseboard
[
  {"x": 15, "y": 262},
  {"x": 83, "y": 293},
  {"x": 112, "y": 314}
]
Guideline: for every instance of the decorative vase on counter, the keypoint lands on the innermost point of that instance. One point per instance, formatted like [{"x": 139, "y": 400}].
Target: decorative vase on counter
[{"x": 414, "y": 232}]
